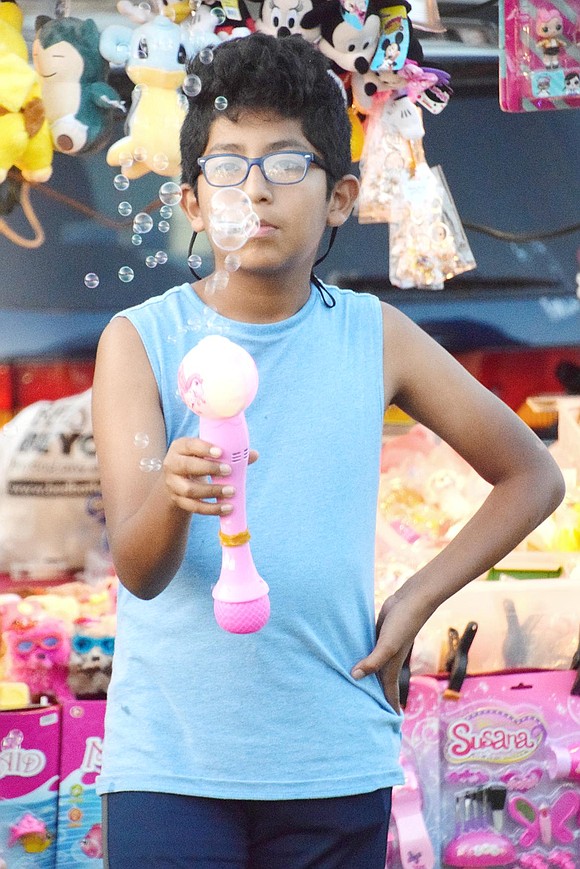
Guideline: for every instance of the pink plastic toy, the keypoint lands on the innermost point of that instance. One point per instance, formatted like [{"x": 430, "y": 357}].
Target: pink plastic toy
[{"x": 218, "y": 380}]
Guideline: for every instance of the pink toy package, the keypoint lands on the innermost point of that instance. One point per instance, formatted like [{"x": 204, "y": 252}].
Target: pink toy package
[
  {"x": 29, "y": 771},
  {"x": 539, "y": 55},
  {"x": 510, "y": 755},
  {"x": 79, "y": 841},
  {"x": 414, "y": 834}
]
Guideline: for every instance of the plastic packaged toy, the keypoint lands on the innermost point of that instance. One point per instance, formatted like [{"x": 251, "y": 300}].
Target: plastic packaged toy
[
  {"x": 539, "y": 55},
  {"x": 509, "y": 772}
]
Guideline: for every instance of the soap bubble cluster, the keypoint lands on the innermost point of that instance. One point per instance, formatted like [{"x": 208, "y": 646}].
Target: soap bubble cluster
[
  {"x": 149, "y": 465},
  {"x": 232, "y": 219}
]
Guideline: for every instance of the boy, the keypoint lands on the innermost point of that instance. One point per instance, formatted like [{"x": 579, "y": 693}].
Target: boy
[{"x": 278, "y": 749}]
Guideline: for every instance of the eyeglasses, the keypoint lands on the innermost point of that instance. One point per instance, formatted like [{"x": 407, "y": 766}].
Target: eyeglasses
[
  {"x": 47, "y": 644},
  {"x": 279, "y": 167},
  {"x": 83, "y": 645}
]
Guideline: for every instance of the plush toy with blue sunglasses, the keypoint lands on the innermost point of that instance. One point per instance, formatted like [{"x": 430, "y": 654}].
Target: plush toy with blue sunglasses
[{"x": 91, "y": 657}]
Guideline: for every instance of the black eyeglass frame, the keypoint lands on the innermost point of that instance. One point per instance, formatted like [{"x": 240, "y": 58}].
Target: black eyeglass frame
[{"x": 259, "y": 161}]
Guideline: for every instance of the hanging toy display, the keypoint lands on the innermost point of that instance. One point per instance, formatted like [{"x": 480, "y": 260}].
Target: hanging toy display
[
  {"x": 25, "y": 141},
  {"x": 218, "y": 380},
  {"x": 539, "y": 55},
  {"x": 154, "y": 57},
  {"x": 81, "y": 106}
]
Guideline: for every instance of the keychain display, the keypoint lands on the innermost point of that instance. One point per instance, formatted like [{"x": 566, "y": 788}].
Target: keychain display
[{"x": 539, "y": 55}]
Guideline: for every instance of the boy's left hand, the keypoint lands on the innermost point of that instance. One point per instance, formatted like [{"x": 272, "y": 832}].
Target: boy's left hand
[{"x": 397, "y": 627}]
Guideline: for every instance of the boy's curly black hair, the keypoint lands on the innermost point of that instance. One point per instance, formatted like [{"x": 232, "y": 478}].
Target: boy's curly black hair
[{"x": 261, "y": 73}]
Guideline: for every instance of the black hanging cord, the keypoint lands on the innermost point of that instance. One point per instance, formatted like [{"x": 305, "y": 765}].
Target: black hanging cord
[
  {"x": 325, "y": 295},
  {"x": 189, "y": 250}
]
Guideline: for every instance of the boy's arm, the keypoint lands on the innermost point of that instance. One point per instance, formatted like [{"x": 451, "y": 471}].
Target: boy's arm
[
  {"x": 148, "y": 511},
  {"x": 434, "y": 389}
]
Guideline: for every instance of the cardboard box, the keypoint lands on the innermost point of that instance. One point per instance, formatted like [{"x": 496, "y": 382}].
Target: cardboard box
[
  {"x": 29, "y": 773},
  {"x": 79, "y": 840}
]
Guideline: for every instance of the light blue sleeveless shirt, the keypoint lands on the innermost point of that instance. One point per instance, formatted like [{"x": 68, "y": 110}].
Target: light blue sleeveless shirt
[{"x": 276, "y": 714}]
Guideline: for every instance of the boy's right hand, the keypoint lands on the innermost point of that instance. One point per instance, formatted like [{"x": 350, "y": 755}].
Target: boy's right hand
[{"x": 186, "y": 468}]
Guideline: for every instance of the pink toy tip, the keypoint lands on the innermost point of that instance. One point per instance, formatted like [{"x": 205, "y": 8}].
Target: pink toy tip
[{"x": 244, "y": 617}]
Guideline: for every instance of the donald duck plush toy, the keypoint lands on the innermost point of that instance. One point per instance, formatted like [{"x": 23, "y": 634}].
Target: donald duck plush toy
[{"x": 24, "y": 133}]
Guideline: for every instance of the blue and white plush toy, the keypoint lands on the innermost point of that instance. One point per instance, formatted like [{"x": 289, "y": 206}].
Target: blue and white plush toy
[
  {"x": 80, "y": 106},
  {"x": 154, "y": 57}
]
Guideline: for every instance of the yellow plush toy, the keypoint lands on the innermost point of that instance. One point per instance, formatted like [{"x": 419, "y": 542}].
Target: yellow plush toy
[{"x": 24, "y": 133}]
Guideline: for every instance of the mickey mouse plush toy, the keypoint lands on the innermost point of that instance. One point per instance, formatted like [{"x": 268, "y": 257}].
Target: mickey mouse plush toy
[{"x": 348, "y": 46}]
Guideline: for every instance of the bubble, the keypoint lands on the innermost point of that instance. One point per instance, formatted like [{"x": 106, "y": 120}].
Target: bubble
[
  {"x": 228, "y": 226},
  {"x": 121, "y": 182},
  {"x": 143, "y": 222},
  {"x": 216, "y": 283},
  {"x": 145, "y": 7},
  {"x": 221, "y": 103},
  {"x": 136, "y": 239},
  {"x": 141, "y": 440},
  {"x": 149, "y": 465},
  {"x": 194, "y": 261},
  {"x": 231, "y": 201},
  {"x": 139, "y": 154},
  {"x": 160, "y": 162},
  {"x": 219, "y": 14},
  {"x": 163, "y": 226},
  {"x": 170, "y": 193},
  {"x": 126, "y": 274},
  {"x": 125, "y": 161},
  {"x": 220, "y": 280},
  {"x": 191, "y": 85},
  {"x": 161, "y": 257},
  {"x": 91, "y": 280},
  {"x": 232, "y": 262},
  {"x": 124, "y": 209},
  {"x": 150, "y": 262},
  {"x": 166, "y": 211},
  {"x": 252, "y": 224},
  {"x": 206, "y": 56}
]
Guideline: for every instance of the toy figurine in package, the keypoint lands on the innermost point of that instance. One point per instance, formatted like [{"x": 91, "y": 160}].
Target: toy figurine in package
[
  {"x": 539, "y": 55},
  {"x": 80, "y": 841},
  {"x": 29, "y": 769},
  {"x": 510, "y": 772}
]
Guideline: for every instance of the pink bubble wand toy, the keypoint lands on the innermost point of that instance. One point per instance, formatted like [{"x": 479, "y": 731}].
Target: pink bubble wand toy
[{"x": 218, "y": 380}]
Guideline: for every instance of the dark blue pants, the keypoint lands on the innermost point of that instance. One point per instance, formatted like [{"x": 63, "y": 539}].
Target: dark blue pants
[{"x": 154, "y": 831}]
